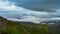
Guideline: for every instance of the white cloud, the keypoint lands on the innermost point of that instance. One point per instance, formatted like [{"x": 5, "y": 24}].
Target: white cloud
[
  {"x": 27, "y": 19},
  {"x": 9, "y": 9},
  {"x": 6, "y": 5}
]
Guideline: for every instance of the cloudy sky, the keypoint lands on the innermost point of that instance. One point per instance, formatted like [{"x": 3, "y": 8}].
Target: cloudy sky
[{"x": 30, "y": 10}]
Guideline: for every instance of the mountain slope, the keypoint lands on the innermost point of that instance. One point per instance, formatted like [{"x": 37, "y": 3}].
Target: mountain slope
[{"x": 17, "y": 28}]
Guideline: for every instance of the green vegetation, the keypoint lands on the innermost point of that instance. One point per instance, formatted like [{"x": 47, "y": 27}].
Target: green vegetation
[
  {"x": 10, "y": 27},
  {"x": 16, "y": 28},
  {"x": 22, "y": 29}
]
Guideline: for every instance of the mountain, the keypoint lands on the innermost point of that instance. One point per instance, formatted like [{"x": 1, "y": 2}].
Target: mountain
[{"x": 51, "y": 21}]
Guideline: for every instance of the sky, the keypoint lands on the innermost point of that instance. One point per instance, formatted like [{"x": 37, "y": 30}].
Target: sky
[{"x": 30, "y": 10}]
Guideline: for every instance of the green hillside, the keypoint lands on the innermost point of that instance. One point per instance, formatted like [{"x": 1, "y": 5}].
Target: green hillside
[{"x": 9, "y": 27}]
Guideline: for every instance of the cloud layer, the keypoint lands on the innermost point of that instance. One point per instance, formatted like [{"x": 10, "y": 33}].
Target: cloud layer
[
  {"x": 38, "y": 4},
  {"x": 11, "y": 11}
]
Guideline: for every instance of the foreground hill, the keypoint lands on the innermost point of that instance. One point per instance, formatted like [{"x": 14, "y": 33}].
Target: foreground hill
[
  {"x": 14, "y": 27},
  {"x": 9, "y": 27},
  {"x": 17, "y": 28}
]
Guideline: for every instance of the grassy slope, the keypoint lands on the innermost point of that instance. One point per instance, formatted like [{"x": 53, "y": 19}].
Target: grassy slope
[{"x": 16, "y": 28}]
